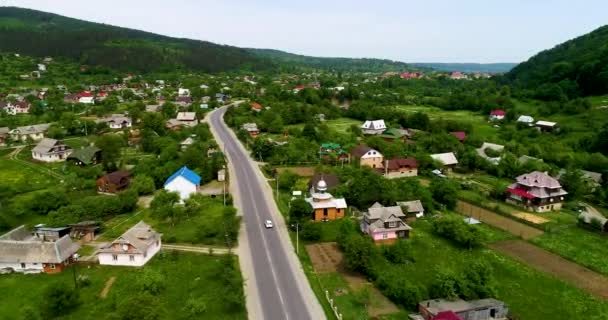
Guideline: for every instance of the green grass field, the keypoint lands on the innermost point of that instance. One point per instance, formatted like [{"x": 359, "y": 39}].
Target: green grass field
[
  {"x": 582, "y": 246},
  {"x": 342, "y": 125},
  {"x": 204, "y": 228},
  {"x": 185, "y": 275},
  {"x": 530, "y": 294}
]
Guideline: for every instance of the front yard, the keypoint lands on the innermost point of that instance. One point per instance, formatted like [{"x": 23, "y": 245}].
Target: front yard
[{"x": 185, "y": 277}]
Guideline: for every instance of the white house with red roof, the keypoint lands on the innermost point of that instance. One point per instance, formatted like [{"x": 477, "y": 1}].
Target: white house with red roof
[
  {"x": 86, "y": 97},
  {"x": 458, "y": 76},
  {"x": 497, "y": 114},
  {"x": 536, "y": 191}
]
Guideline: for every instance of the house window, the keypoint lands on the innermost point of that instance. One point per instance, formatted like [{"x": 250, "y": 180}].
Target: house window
[
  {"x": 22, "y": 265},
  {"x": 114, "y": 257},
  {"x": 145, "y": 254},
  {"x": 392, "y": 224},
  {"x": 131, "y": 258},
  {"x": 384, "y": 235},
  {"x": 52, "y": 266}
]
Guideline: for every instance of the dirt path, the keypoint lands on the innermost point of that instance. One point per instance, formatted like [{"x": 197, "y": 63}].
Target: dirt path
[
  {"x": 107, "y": 287},
  {"x": 555, "y": 265},
  {"x": 516, "y": 228}
]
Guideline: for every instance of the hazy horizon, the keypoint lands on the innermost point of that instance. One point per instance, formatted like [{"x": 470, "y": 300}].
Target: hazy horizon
[{"x": 436, "y": 31}]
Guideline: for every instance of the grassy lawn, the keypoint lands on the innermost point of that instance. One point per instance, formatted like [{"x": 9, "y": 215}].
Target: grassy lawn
[
  {"x": 185, "y": 275},
  {"x": 481, "y": 127},
  {"x": 205, "y": 228},
  {"x": 582, "y": 246},
  {"x": 342, "y": 125},
  {"x": 86, "y": 250},
  {"x": 530, "y": 294},
  {"x": 13, "y": 173}
]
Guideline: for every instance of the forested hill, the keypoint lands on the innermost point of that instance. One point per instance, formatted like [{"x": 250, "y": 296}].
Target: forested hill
[
  {"x": 338, "y": 64},
  {"x": 37, "y": 33},
  {"x": 467, "y": 67},
  {"x": 573, "y": 68}
]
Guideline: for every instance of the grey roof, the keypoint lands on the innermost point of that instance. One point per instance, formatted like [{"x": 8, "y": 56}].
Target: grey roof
[
  {"x": 45, "y": 145},
  {"x": 446, "y": 159},
  {"x": 140, "y": 236},
  {"x": 523, "y": 159},
  {"x": 33, "y": 129},
  {"x": 250, "y": 126},
  {"x": 412, "y": 206},
  {"x": 457, "y": 306},
  {"x": 186, "y": 116},
  {"x": 153, "y": 108},
  {"x": 588, "y": 216},
  {"x": 116, "y": 118},
  {"x": 21, "y": 246},
  {"x": 538, "y": 179},
  {"x": 384, "y": 213}
]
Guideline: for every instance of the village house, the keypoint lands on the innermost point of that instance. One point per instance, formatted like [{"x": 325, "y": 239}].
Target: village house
[
  {"x": 186, "y": 143},
  {"x": 393, "y": 134},
  {"x": 183, "y": 101},
  {"x": 400, "y": 167},
  {"x": 134, "y": 248},
  {"x": 85, "y": 230},
  {"x": 546, "y": 126},
  {"x": 484, "y": 309},
  {"x": 114, "y": 182},
  {"x": 153, "y": 108},
  {"x": 35, "y": 132},
  {"x": 222, "y": 98},
  {"x": 116, "y": 121},
  {"x": 373, "y": 127},
  {"x": 458, "y": 76},
  {"x": 536, "y": 191},
  {"x": 85, "y": 156},
  {"x": 256, "y": 107},
  {"x": 526, "y": 119},
  {"x": 385, "y": 224},
  {"x": 325, "y": 207},
  {"x": 448, "y": 160},
  {"x": 497, "y": 115},
  {"x": 23, "y": 251},
  {"x": 460, "y": 135},
  {"x": 184, "y": 181},
  {"x": 182, "y": 92},
  {"x": 367, "y": 156},
  {"x": 251, "y": 128},
  {"x": 412, "y": 208},
  {"x": 490, "y": 146},
  {"x": 51, "y": 150},
  {"x": 187, "y": 119},
  {"x": 14, "y": 108},
  {"x": 327, "y": 151},
  {"x": 4, "y": 135},
  {"x": 101, "y": 96},
  {"x": 86, "y": 97}
]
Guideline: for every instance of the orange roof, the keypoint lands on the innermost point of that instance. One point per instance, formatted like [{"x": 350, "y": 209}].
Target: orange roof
[{"x": 255, "y": 105}]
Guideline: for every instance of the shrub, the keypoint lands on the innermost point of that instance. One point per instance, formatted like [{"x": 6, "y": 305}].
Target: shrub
[
  {"x": 59, "y": 299},
  {"x": 311, "y": 231},
  {"x": 151, "y": 281}
]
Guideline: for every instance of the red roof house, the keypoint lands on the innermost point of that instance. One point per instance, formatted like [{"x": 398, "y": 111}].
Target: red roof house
[
  {"x": 400, "y": 167},
  {"x": 497, "y": 114},
  {"x": 460, "y": 135},
  {"x": 256, "y": 106}
]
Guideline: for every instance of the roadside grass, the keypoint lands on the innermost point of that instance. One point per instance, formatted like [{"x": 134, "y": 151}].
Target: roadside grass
[
  {"x": 530, "y": 294},
  {"x": 185, "y": 275},
  {"x": 584, "y": 247}
]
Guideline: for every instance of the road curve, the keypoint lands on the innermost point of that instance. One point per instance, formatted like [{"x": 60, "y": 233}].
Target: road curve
[{"x": 276, "y": 286}]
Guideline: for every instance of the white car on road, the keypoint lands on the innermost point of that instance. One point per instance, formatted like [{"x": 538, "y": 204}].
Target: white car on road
[{"x": 268, "y": 224}]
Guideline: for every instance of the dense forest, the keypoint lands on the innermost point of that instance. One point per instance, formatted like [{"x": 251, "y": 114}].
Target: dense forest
[
  {"x": 467, "y": 67},
  {"x": 578, "y": 67},
  {"x": 338, "y": 64}
]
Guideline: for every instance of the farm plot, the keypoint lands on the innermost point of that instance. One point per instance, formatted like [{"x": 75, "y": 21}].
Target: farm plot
[
  {"x": 555, "y": 265},
  {"x": 498, "y": 221}
]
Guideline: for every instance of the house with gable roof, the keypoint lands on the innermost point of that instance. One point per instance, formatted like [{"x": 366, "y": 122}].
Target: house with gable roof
[
  {"x": 51, "y": 150},
  {"x": 373, "y": 127},
  {"x": 184, "y": 181},
  {"x": 21, "y": 250},
  {"x": 536, "y": 191},
  {"x": 385, "y": 224},
  {"x": 134, "y": 248},
  {"x": 367, "y": 156}
]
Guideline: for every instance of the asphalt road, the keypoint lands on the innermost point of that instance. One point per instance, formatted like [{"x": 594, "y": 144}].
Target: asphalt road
[{"x": 283, "y": 292}]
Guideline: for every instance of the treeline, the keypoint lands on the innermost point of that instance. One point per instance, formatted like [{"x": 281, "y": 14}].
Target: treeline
[
  {"x": 44, "y": 34},
  {"x": 578, "y": 67}
]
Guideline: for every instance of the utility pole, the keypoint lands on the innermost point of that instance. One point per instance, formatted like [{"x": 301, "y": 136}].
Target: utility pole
[
  {"x": 298, "y": 238},
  {"x": 277, "y": 178}
]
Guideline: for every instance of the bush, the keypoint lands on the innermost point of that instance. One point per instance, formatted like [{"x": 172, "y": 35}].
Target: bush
[
  {"x": 400, "y": 252},
  {"x": 143, "y": 184},
  {"x": 455, "y": 229},
  {"x": 151, "y": 281},
  {"x": 59, "y": 299},
  {"x": 311, "y": 231}
]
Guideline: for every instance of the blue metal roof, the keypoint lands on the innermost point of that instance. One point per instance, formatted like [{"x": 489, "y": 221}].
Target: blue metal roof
[{"x": 187, "y": 174}]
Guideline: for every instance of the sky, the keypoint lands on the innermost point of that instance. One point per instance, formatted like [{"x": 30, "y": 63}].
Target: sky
[{"x": 483, "y": 31}]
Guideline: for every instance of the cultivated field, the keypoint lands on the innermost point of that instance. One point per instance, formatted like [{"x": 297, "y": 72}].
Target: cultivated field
[
  {"x": 555, "y": 265},
  {"x": 498, "y": 221}
]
